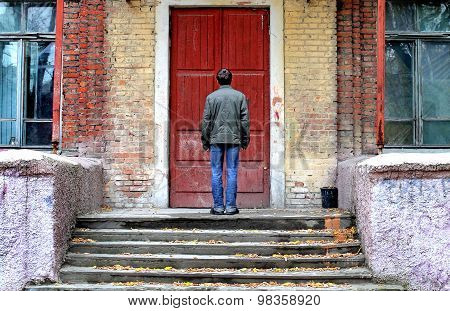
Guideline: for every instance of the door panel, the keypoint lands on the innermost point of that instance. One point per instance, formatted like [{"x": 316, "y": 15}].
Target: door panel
[
  {"x": 191, "y": 87},
  {"x": 244, "y": 33},
  {"x": 197, "y": 33},
  {"x": 202, "y": 42}
]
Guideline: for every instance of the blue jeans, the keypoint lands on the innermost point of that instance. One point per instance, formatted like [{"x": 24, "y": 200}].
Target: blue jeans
[{"x": 232, "y": 157}]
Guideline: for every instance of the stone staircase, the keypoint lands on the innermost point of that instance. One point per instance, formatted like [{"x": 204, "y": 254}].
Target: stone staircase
[{"x": 193, "y": 250}]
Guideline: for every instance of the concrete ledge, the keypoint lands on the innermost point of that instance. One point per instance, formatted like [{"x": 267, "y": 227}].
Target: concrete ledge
[
  {"x": 346, "y": 182},
  {"x": 40, "y": 196},
  {"x": 402, "y": 206}
]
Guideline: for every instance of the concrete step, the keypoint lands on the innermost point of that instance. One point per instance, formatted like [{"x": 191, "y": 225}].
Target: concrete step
[
  {"x": 203, "y": 235},
  {"x": 201, "y": 248},
  {"x": 270, "y": 219},
  {"x": 138, "y": 249},
  {"x": 179, "y": 261},
  {"x": 73, "y": 274},
  {"x": 263, "y": 286}
]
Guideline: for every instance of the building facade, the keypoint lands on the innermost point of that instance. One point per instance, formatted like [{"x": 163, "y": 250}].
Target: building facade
[{"x": 125, "y": 81}]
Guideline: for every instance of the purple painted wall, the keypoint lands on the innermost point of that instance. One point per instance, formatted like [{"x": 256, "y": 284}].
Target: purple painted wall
[
  {"x": 40, "y": 196},
  {"x": 402, "y": 204}
]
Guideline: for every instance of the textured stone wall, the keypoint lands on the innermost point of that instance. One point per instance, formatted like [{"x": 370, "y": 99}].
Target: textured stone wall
[
  {"x": 310, "y": 98},
  {"x": 40, "y": 196},
  {"x": 346, "y": 182},
  {"x": 356, "y": 77},
  {"x": 402, "y": 206}
]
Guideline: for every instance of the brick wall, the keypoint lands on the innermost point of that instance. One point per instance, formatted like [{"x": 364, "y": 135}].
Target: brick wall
[
  {"x": 356, "y": 76},
  {"x": 129, "y": 162},
  {"x": 108, "y": 82},
  {"x": 310, "y": 96},
  {"x": 84, "y": 77},
  {"x": 108, "y": 53}
]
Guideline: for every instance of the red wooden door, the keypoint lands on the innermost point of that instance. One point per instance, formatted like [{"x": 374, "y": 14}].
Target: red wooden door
[{"x": 202, "y": 42}]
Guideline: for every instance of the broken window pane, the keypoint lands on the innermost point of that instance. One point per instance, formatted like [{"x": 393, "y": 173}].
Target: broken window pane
[
  {"x": 399, "y": 80},
  {"x": 38, "y": 133},
  {"x": 398, "y": 133},
  {"x": 435, "y": 79},
  {"x": 39, "y": 66},
  {"x": 399, "y": 15},
  {"x": 10, "y": 15},
  {"x": 434, "y": 15},
  {"x": 8, "y": 90},
  {"x": 41, "y": 17},
  {"x": 436, "y": 132}
]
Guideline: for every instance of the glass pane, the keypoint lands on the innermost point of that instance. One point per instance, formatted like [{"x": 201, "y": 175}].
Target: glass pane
[
  {"x": 398, "y": 133},
  {"x": 399, "y": 15},
  {"x": 434, "y": 15},
  {"x": 8, "y": 91},
  {"x": 399, "y": 80},
  {"x": 8, "y": 79},
  {"x": 40, "y": 57},
  {"x": 8, "y": 133},
  {"x": 10, "y": 16},
  {"x": 41, "y": 17},
  {"x": 435, "y": 78},
  {"x": 436, "y": 133},
  {"x": 38, "y": 133}
]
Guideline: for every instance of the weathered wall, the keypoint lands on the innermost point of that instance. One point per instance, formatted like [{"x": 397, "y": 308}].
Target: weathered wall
[
  {"x": 330, "y": 92},
  {"x": 403, "y": 216},
  {"x": 310, "y": 99},
  {"x": 39, "y": 199},
  {"x": 129, "y": 151},
  {"x": 356, "y": 77},
  {"x": 85, "y": 76},
  {"x": 346, "y": 182},
  {"x": 109, "y": 90},
  {"x": 108, "y": 93}
]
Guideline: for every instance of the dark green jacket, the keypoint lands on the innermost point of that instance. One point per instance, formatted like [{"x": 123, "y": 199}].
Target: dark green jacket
[{"x": 225, "y": 118}]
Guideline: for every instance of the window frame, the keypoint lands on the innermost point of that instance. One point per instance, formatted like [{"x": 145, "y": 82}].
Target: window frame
[
  {"x": 21, "y": 38},
  {"x": 417, "y": 37}
]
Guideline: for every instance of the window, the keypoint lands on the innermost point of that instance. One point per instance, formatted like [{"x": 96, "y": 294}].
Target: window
[
  {"x": 27, "y": 52},
  {"x": 417, "y": 94}
]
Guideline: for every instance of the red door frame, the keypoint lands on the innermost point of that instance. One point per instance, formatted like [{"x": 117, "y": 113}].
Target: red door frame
[
  {"x": 381, "y": 26},
  {"x": 57, "y": 75}
]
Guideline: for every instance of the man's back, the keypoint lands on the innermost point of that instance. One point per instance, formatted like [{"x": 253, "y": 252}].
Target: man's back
[{"x": 226, "y": 117}]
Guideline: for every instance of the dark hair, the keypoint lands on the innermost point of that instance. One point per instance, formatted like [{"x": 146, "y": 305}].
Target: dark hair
[{"x": 224, "y": 76}]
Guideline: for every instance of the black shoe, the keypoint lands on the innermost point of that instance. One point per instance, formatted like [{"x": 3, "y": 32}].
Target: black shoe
[
  {"x": 233, "y": 212},
  {"x": 216, "y": 212}
]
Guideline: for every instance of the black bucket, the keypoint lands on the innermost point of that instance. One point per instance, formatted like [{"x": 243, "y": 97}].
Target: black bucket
[{"x": 329, "y": 197}]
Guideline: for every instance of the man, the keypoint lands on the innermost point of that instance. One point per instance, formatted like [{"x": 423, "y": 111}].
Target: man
[{"x": 225, "y": 129}]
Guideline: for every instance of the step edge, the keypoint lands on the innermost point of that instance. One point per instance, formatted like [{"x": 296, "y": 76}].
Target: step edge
[
  {"x": 237, "y": 232},
  {"x": 71, "y": 255},
  {"x": 357, "y": 273},
  {"x": 207, "y": 217},
  {"x": 171, "y": 287},
  {"x": 219, "y": 245}
]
